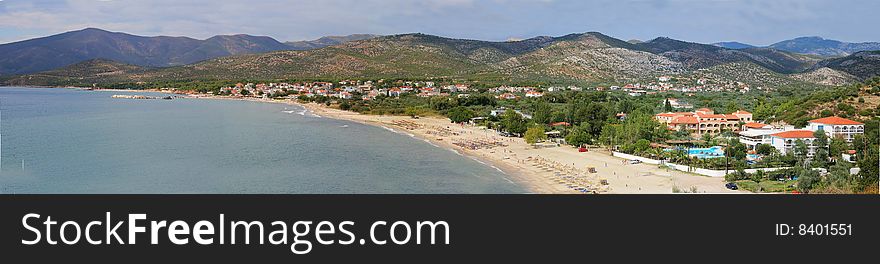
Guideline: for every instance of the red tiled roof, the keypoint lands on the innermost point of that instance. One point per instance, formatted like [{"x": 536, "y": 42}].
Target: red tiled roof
[
  {"x": 741, "y": 112},
  {"x": 833, "y": 120},
  {"x": 685, "y": 120},
  {"x": 712, "y": 116},
  {"x": 794, "y": 134},
  {"x": 755, "y": 125}
]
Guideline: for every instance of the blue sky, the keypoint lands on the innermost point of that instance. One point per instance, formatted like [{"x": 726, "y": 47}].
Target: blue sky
[{"x": 758, "y": 22}]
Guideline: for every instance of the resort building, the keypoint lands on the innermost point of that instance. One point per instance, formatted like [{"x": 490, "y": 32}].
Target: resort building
[
  {"x": 837, "y": 127},
  {"x": 704, "y": 121},
  {"x": 757, "y": 126},
  {"x": 678, "y": 104},
  {"x": 785, "y": 141},
  {"x": 754, "y": 134}
]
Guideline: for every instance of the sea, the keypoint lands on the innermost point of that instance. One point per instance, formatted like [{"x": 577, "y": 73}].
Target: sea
[{"x": 73, "y": 141}]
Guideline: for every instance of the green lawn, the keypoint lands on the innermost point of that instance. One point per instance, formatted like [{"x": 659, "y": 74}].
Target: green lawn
[{"x": 766, "y": 186}]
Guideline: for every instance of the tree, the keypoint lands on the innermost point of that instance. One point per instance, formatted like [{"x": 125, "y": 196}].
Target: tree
[
  {"x": 535, "y": 134},
  {"x": 731, "y": 107},
  {"x": 867, "y": 161},
  {"x": 513, "y": 122},
  {"x": 807, "y": 179},
  {"x": 460, "y": 114},
  {"x": 800, "y": 150},
  {"x": 735, "y": 150},
  {"x": 344, "y": 106},
  {"x": 580, "y": 135},
  {"x": 764, "y": 149},
  {"x": 244, "y": 92},
  {"x": 668, "y": 106},
  {"x": 820, "y": 158},
  {"x": 543, "y": 113},
  {"x": 837, "y": 147}
]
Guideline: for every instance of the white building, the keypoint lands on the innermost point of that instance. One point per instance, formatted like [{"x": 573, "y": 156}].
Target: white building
[
  {"x": 785, "y": 141},
  {"x": 534, "y": 94},
  {"x": 837, "y": 127}
]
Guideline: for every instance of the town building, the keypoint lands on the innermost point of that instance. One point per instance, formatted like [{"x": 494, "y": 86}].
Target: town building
[
  {"x": 704, "y": 121},
  {"x": 837, "y": 127},
  {"x": 786, "y": 141},
  {"x": 679, "y": 104}
]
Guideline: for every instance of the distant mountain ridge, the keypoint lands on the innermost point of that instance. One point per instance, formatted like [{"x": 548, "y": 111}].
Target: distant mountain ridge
[
  {"x": 862, "y": 64},
  {"x": 327, "y": 41},
  {"x": 811, "y": 46},
  {"x": 52, "y": 52},
  {"x": 583, "y": 57},
  {"x": 824, "y": 47},
  {"x": 733, "y": 45},
  {"x": 590, "y": 58}
]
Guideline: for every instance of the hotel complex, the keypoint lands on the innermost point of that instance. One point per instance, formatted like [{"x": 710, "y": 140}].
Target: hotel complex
[
  {"x": 705, "y": 121},
  {"x": 784, "y": 139},
  {"x": 752, "y": 134}
]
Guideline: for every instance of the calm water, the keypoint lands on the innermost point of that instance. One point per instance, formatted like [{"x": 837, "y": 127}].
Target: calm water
[{"x": 76, "y": 141}]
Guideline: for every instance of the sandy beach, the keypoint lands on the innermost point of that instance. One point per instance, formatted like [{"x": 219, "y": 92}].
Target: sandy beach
[{"x": 555, "y": 170}]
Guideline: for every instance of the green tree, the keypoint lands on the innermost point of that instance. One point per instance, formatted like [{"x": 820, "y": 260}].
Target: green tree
[
  {"x": 543, "y": 113},
  {"x": 764, "y": 149},
  {"x": 837, "y": 147},
  {"x": 460, "y": 114},
  {"x": 535, "y": 134},
  {"x": 345, "y": 105},
  {"x": 735, "y": 150},
  {"x": 513, "y": 122},
  {"x": 800, "y": 151},
  {"x": 640, "y": 146},
  {"x": 807, "y": 179},
  {"x": 820, "y": 158},
  {"x": 580, "y": 135}
]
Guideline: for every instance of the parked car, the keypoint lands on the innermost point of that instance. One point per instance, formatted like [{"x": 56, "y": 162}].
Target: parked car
[
  {"x": 635, "y": 161},
  {"x": 732, "y": 186}
]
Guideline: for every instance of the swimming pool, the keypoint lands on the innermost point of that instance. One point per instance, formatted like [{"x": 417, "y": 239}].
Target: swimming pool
[
  {"x": 707, "y": 153},
  {"x": 703, "y": 153}
]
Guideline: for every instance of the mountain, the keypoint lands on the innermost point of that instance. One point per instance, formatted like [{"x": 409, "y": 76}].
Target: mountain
[
  {"x": 82, "y": 74},
  {"x": 826, "y": 76},
  {"x": 732, "y": 45},
  {"x": 68, "y": 48},
  {"x": 696, "y": 55},
  {"x": 587, "y": 58},
  {"x": 824, "y": 47},
  {"x": 327, "y": 41},
  {"x": 862, "y": 64}
]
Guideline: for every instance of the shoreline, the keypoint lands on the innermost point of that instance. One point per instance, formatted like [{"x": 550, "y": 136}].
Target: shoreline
[{"x": 516, "y": 175}]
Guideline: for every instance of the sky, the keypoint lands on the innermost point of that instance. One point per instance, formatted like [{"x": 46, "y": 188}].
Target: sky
[{"x": 757, "y": 22}]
